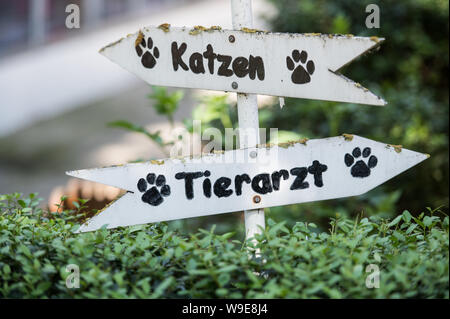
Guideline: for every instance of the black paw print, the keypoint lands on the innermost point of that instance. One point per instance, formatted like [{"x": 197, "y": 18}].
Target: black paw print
[
  {"x": 360, "y": 168},
  {"x": 300, "y": 75},
  {"x": 153, "y": 196},
  {"x": 148, "y": 59}
]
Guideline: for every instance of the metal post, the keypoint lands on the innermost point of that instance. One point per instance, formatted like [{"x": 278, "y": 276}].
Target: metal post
[{"x": 247, "y": 104}]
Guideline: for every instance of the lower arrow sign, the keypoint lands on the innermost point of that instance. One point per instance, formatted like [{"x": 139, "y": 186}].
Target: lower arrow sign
[{"x": 244, "y": 179}]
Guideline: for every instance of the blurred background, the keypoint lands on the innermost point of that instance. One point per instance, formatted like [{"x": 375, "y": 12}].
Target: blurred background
[{"x": 63, "y": 106}]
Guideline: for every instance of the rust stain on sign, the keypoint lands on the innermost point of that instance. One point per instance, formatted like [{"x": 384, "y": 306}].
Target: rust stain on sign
[
  {"x": 197, "y": 29},
  {"x": 110, "y": 45},
  {"x": 157, "y": 162},
  {"x": 247, "y": 30},
  {"x": 165, "y": 27},
  {"x": 397, "y": 148},
  {"x": 313, "y": 34},
  {"x": 284, "y": 144},
  {"x": 139, "y": 38},
  {"x": 359, "y": 86},
  {"x": 292, "y": 143},
  {"x": 347, "y": 137},
  {"x": 214, "y": 28}
]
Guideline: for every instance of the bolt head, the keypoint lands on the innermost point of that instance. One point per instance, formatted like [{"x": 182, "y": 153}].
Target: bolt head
[
  {"x": 256, "y": 199},
  {"x": 231, "y": 38},
  {"x": 234, "y": 85},
  {"x": 253, "y": 154}
]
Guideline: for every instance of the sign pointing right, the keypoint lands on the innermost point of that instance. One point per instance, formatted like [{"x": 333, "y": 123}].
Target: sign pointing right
[{"x": 243, "y": 179}]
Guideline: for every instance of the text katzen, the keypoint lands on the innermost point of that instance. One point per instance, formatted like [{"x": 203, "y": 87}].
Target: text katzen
[{"x": 216, "y": 63}]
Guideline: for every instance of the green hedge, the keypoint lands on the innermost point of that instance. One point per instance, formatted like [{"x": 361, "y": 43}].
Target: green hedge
[{"x": 151, "y": 261}]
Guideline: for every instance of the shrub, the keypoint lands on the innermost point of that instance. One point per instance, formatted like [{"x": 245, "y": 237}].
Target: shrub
[{"x": 150, "y": 261}]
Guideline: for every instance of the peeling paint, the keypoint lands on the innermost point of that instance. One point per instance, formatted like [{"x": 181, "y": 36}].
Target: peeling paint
[
  {"x": 359, "y": 86},
  {"x": 165, "y": 27},
  {"x": 267, "y": 145},
  {"x": 347, "y": 137},
  {"x": 109, "y": 166},
  {"x": 213, "y": 28},
  {"x": 117, "y": 165},
  {"x": 314, "y": 34},
  {"x": 139, "y": 38},
  {"x": 283, "y": 145},
  {"x": 303, "y": 140},
  {"x": 157, "y": 162},
  {"x": 197, "y": 29},
  {"x": 292, "y": 143},
  {"x": 111, "y": 44},
  {"x": 247, "y": 30},
  {"x": 397, "y": 148}
]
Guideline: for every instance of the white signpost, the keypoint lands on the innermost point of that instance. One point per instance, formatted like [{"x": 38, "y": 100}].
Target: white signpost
[
  {"x": 248, "y": 62},
  {"x": 246, "y": 179},
  {"x": 278, "y": 64}
]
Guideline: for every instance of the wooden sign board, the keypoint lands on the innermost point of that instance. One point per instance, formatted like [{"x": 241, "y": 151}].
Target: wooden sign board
[
  {"x": 249, "y": 61},
  {"x": 246, "y": 179}
]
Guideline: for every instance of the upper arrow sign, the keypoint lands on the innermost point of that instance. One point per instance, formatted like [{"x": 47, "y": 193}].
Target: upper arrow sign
[
  {"x": 247, "y": 179},
  {"x": 247, "y": 61}
]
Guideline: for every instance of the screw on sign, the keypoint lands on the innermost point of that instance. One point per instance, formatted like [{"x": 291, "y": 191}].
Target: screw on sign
[{"x": 251, "y": 178}]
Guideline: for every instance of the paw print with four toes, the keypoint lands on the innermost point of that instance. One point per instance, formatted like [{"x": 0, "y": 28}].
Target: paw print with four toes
[
  {"x": 148, "y": 58},
  {"x": 300, "y": 75},
  {"x": 360, "y": 168},
  {"x": 153, "y": 195}
]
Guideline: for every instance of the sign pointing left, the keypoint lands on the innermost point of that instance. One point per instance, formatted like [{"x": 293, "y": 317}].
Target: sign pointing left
[
  {"x": 246, "y": 61},
  {"x": 245, "y": 179}
]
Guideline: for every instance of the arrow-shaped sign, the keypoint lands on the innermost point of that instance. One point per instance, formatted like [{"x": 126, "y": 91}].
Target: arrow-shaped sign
[
  {"x": 246, "y": 61},
  {"x": 251, "y": 178}
]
